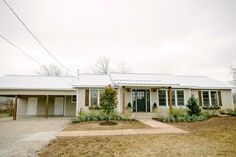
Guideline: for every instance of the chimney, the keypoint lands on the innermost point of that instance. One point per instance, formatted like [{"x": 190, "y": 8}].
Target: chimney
[{"x": 78, "y": 74}]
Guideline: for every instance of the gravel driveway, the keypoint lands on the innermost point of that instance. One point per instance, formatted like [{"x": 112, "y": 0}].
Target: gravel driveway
[{"x": 27, "y": 135}]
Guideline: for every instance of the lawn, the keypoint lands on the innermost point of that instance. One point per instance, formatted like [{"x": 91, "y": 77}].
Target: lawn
[
  {"x": 215, "y": 137},
  {"x": 93, "y": 125}
]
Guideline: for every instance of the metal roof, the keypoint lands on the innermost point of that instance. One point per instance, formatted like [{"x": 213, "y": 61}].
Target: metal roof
[
  {"x": 92, "y": 80},
  {"x": 144, "y": 79},
  {"x": 34, "y": 82}
]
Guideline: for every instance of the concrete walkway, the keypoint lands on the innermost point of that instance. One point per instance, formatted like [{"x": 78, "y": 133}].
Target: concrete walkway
[{"x": 157, "y": 128}]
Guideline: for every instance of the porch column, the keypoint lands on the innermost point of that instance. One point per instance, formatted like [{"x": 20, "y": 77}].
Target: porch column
[
  {"x": 46, "y": 107},
  {"x": 170, "y": 100},
  {"x": 15, "y": 107},
  {"x": 77, "y": 102}
]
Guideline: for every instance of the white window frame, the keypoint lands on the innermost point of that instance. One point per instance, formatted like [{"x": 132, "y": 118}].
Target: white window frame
[
  {"x": 176, "y": 97},
  {"x": 98, "y": 96},
  {"x": 167, "y": 104},
  {"x": 209, "y": 96}
]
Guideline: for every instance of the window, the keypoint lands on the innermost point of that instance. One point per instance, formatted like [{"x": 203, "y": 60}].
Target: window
[
  {"x": 94, "y": 97},
  {"x": 86, "y": 97},
  {"x": 214, "y": 101},
  {"x": 180, "y": 97},
  {"x": 162, "y": 97},
  {"x": 206, "y": 101},
  {"x": 210, "y": 98},
  {"x": 73, "y": 98}
]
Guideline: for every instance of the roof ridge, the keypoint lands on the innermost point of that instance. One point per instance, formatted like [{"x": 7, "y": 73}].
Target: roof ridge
[
  {"x": 36, "y": 75},
  {"x": 140, "y": 73},
  {"x": 190, "y": 76}
]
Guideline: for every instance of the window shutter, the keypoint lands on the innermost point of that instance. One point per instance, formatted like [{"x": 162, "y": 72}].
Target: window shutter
[
  {"x": 86, "y": 97},
  {"x": 200, "y": 97},
  {"x": 220, "y": 99}
]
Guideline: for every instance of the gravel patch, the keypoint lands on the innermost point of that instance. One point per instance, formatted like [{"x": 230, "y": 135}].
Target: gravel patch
[{"x": 27, "y": 135}]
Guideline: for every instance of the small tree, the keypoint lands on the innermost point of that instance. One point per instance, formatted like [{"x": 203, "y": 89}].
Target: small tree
[
  {"x": 108, "y": 100},
  {"x": 193, "y": 107}
]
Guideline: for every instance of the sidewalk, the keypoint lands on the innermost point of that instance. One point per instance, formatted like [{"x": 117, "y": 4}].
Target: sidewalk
[{"x": 157, "y": 128}]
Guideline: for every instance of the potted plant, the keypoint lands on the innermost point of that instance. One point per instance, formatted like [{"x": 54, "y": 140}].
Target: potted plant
[
  {"x": 129, "y": 107},
  {"x": 154, "y": 107}
]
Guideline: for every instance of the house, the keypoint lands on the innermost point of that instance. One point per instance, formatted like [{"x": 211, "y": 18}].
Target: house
[{"x": 66, "y": 96}]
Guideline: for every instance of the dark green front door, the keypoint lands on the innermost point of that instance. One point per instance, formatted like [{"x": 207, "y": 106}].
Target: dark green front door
[{"x": 141, "y": 100}]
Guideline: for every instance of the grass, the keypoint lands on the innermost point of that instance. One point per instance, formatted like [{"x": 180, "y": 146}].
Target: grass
[
  {"x": 214, "y": 137},
  {"x": 94, "y": 125}
]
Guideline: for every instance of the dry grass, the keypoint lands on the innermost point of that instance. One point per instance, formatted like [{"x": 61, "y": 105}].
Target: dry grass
[
  {"x": 215, "y": 137},
  {"x": 93, "y": 125}
]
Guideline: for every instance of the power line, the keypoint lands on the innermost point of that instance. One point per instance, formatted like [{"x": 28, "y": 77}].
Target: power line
[
  {"x": 40, "y": 43},
  {"x": 20, "y": 49}
]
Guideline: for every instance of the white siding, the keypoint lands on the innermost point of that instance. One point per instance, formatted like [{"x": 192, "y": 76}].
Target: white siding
[{"x": 227, "y": 99}]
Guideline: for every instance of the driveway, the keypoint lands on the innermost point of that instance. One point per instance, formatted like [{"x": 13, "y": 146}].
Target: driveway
[{"x": 27, "y": 135}]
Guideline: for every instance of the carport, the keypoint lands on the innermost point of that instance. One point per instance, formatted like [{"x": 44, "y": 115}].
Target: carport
[{"x": 39, "y": 95}]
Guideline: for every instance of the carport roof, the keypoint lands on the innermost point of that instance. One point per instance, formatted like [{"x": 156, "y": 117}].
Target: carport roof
[{"x": 35, "y": 82}]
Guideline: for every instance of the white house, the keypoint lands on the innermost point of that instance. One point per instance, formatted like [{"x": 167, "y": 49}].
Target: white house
[{"x": 65, "y": 96}]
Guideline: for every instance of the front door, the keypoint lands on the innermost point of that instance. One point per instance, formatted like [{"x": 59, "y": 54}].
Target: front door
[{"x": 141, "y": 101}]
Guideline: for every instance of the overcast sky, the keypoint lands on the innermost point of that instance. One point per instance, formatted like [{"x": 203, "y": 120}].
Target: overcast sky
[{"x": 189, "y": 37}]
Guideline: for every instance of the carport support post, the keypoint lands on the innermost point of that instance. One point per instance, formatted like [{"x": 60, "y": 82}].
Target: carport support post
[
  {"x": 46, "y": 107},
  {"x": 170, "y": 100},
  {"x": 15, "y": 108}
]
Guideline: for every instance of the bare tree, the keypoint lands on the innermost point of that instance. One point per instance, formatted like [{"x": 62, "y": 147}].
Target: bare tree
[
  {"x": 51, "y": 70},
  {"x": 102, "y": 66},
  {"x": 124, "y": 68}
]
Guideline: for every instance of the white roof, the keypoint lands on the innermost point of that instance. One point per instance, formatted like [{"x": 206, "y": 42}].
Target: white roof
[
  {"x": 144, "y": 79},
  {"x": 34, "y": 82},
  {"x": 92, "y": 80}
]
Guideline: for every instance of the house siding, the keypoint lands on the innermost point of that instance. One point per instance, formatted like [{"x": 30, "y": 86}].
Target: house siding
[
  {"x": 227, "y": 99},
  {"x": 70, "y": 107}
]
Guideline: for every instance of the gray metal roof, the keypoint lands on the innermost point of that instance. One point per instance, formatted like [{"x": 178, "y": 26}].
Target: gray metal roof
[
  {"x": 34, "y": 82},
  {"x": 92, "y": 80},
  {"x": 143, "y": 79}
]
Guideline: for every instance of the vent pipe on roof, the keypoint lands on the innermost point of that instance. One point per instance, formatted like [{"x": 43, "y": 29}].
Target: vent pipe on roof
[{"x": 78, "y": 74}]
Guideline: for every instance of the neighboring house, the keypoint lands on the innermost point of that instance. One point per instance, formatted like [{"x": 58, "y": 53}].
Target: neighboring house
[{"x": 68, "y": 95}]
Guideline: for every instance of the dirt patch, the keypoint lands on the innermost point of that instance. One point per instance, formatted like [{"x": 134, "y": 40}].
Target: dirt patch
[
  {"x": 94, "y": 125},
  {"x": 215, "y": 137}
]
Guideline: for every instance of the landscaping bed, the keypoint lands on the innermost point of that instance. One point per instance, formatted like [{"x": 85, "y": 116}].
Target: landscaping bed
[{"x": 95, "y": 125}]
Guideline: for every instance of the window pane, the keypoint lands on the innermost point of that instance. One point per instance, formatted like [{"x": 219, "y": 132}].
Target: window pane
[
  {"x": 180, "y": 97},
  {"x": 94, "y": 97},
  {"x": 214, "y": 98},
  {"x": 162, "y": 97},
  {"x": 206, "y": 101}
]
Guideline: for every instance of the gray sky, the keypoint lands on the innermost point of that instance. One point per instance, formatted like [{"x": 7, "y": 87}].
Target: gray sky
[{"x": 196, "y": 37}]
